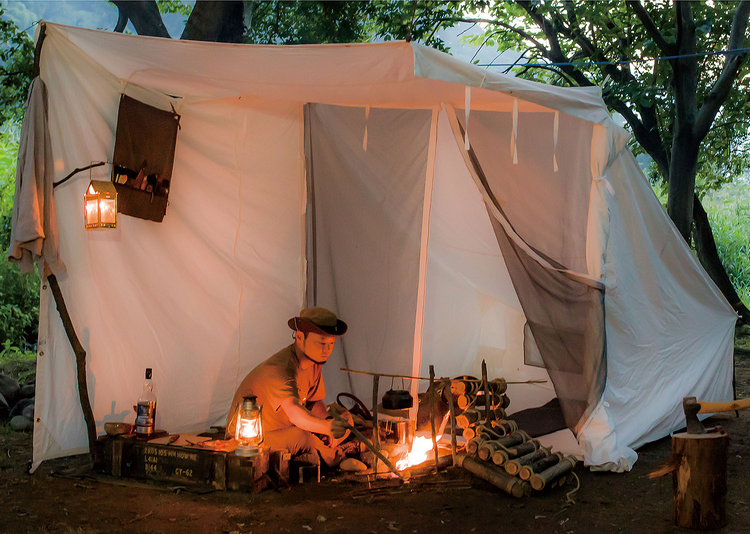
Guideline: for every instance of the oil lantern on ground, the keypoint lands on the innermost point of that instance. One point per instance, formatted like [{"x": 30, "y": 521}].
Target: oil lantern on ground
[
  {"x": 100, "y": 205},
  {"x": 249, "y": 431}
]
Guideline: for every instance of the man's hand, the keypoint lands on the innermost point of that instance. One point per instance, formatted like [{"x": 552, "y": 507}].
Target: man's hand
[{"x": 338, "y": 429}]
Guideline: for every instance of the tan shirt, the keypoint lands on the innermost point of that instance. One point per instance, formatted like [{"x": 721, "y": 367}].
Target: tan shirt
[{"x": 278, "y": 378}]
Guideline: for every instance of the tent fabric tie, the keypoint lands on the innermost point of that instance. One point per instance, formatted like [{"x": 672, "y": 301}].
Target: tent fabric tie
[
  {"x": 554, "y": 137},
  {"x": 467, "y": 111},
  {"x": 364, "y": 138},
  {"x": 514, "y": 137}
]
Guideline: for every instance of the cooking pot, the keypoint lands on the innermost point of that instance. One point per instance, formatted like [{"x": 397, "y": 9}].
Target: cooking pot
[
  {"x": 397, "y": 399},
  {"x": 398, "y": 430}
]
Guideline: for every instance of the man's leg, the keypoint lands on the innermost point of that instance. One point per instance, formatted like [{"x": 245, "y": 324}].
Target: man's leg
[{"x": 296, "y": 441}]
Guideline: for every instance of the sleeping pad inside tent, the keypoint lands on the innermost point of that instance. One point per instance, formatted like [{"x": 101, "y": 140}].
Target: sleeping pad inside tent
[{"x": 448, "y": 214}]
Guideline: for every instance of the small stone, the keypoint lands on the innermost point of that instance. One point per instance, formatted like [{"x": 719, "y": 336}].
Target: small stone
[
  {"x": 322, "y": 519},
  {"x": 9, "y": 389},
  {"x": 19, "y": 407},
  {"x": 21, "y": 424},
  {"x": 351, "y": 464},
  {"x": 28, "y": 412},
  {"x": 28, "y": 391}
]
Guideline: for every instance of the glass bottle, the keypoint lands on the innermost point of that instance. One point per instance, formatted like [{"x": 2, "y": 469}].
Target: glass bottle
[{"x": 145, "y": 420}]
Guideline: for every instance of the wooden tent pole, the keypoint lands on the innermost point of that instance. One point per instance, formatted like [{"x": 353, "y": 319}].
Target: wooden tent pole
[{"x": 83, "y": 392}]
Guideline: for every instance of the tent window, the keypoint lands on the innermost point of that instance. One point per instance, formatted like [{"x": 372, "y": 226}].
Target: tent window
[
  {"x": 144, "y": 154},
  {"x": 531, "y": 355}
]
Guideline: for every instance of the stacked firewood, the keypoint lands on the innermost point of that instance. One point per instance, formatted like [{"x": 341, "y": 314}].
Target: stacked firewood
[{"x": 496, "y": 449}]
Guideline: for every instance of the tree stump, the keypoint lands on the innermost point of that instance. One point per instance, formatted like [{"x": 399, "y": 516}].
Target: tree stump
[{"x": 700, "y": 480}]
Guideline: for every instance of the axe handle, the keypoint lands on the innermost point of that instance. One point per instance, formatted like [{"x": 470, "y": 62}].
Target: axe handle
[{"x": 716, "y": 407}]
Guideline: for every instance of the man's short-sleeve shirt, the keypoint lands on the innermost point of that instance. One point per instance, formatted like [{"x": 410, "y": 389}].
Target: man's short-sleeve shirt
[{"x": 275, "y": 380}]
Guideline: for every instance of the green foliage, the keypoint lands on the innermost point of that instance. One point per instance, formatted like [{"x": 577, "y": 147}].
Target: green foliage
[
  {"x": 347, "y": 22},
  {"x": 16, "y": 65},
  {"x": 18, "y": 363},
  {"x": 729, "y": 212},
  {"x": 174, "y": 7},
  {"x": 610, "y": 31},
  {"x": 19, "y": 294}
]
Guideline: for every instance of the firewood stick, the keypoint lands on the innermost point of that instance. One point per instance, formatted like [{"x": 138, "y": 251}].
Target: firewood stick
[
  {"x": 432, "y": 415},
  {"x": 453, "y": 420},
  {"x": 354, "y": 371},
  {"x": 373, "y": 449},
  {"x": 375, "y": 429},
  {"x": 527, "y": 471}
]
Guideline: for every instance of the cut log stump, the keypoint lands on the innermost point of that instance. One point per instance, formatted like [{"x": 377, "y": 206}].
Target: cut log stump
[{"x": 700, "y": 480}]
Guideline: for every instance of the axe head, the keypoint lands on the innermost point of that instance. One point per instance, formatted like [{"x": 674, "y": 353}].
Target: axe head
[{"x": 692, "y": 407}]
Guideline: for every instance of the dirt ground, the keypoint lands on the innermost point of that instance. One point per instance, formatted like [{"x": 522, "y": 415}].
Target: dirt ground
[{"x": 451, "y": 502}]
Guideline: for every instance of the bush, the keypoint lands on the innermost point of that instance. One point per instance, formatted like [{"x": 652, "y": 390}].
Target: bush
[
  {"x": 19, "y": 294},
  {"x": 729, "y": 212}
]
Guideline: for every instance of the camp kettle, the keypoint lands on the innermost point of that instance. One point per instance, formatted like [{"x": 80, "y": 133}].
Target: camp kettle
[{"x": 397, "y": 399}]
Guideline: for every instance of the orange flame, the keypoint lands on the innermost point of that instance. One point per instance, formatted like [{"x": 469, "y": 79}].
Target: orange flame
[{"x": 418, "y": 454}]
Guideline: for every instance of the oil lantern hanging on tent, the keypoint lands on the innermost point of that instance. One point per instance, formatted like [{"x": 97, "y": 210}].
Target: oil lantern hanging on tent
[{"x": 100, "y": 205}]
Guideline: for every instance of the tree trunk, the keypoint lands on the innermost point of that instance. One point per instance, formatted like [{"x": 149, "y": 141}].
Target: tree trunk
[
  {"x": 700, "y": 480},
  {"x": 708, "y": 255},
  {"x": 682, "y": 171},
  {"x": 215, "y": 21}
]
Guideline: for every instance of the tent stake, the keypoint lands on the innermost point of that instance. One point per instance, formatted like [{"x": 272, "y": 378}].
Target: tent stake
[
  {"x": 375, "y": 430},
  {"x": 486, "y": 392},
  {"x": 432, "y": 415},
  {"x": 83, "y": 391}
]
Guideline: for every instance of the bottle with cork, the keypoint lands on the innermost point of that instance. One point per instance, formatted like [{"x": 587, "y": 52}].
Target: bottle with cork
[{"x": 145, "y": 420}]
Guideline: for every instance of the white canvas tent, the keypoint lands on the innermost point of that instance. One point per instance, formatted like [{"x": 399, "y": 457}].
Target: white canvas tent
[{"x": 340, "y": 175}]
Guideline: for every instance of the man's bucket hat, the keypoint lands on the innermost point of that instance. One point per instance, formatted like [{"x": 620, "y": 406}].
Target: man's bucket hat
[{"x": 319, "y": 321}]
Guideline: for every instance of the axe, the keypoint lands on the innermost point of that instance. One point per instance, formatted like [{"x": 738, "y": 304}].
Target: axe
[{"x": 693, "y": 407}]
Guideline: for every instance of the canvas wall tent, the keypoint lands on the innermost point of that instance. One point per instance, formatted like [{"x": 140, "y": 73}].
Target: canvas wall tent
[{"x": 339, "y": 175}]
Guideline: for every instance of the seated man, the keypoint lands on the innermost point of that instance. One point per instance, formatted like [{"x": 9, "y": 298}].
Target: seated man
[{"x": 290, "y": 387}]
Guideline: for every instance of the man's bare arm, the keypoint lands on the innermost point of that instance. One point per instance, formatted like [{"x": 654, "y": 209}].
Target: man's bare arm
[
  {"x": 318, "y": 409},
  {"x": 301, "y": 417}
]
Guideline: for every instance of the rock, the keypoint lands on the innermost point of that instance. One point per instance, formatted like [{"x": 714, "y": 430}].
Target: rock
[
  {"x": 19, "y": 407},
  {"x": 9, "y": 389},
  {"x": 4, "y": 408},
  {"x": 28, "y": 391},
  {"x": 351, "y": 464},
  {"x": 21, "y": 424},
  {"x": 28, "y": 412},
  {"x": 369, "y": 458}
]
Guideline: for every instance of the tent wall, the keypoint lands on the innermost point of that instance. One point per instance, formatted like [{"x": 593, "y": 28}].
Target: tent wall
[
  {"x": 366, "y": 220},
  {"x": 669, "y": 330},
  {"x": 203, "y": 296},
  {"x": 471, "y": 308}
]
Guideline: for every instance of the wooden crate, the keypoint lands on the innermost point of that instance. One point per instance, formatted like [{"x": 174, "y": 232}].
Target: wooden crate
[{"x": 130, "y": 458}]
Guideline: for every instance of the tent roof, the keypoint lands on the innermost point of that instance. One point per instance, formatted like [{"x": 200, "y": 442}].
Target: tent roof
[{"x": 391, "y": 74}]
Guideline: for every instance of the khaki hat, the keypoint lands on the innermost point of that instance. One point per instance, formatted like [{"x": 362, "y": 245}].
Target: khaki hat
[{"x": 319, "y": 321}]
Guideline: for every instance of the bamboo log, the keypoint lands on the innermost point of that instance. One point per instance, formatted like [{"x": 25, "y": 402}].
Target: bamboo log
[
  {"x": 468, "y": 417},
  {"x": 509, "y": 441},
  {"x": 465, "y": 401},
  {"x": 512, "y": 467},
  {"x": 540, "y": 480},
  {"x": 487, "y": 449},
  {"x": 494, "y": 476},
  {"x": 505, "y": 401},
  {"x": 538, "y": 466},
  {"x": 504, "y": 427},
  {"x": 700, "y": 480},
  {"x": 498, "y": 386},
  {"x": 463, "y": 387},
  {"x": 432, "y": 415},
  {"x": 509, "y": 453}
]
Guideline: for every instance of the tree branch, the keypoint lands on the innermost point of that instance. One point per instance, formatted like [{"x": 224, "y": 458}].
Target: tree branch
[
  {"x": 515, "y": 30},
  {"x": 145, "y": 16},
  {"x": 667, "y": 49},
  {"x": 122, "y": 21},
  {"x": 215, "y": 21},
  {"x": 720, "y": 91}
]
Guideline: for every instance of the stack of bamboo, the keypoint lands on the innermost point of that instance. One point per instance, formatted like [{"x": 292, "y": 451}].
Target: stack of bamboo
[{"x": 497, "y": 450}]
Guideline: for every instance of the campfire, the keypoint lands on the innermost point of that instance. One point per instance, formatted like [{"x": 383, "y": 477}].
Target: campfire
[{"x": 419, "y": 453}]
